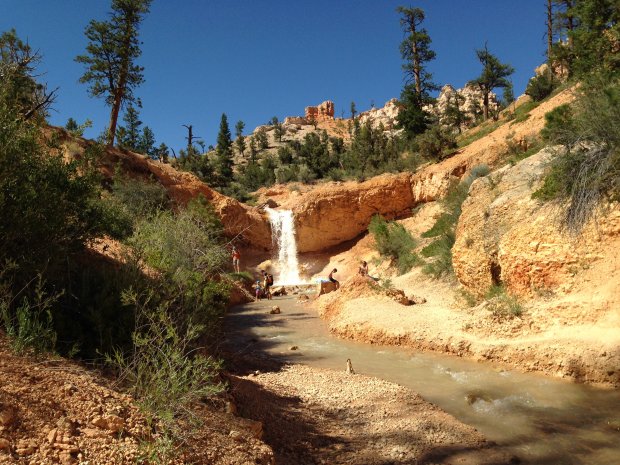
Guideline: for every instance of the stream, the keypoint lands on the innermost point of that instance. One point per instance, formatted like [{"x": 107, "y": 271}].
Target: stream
[{"x": 539, "y": 419}]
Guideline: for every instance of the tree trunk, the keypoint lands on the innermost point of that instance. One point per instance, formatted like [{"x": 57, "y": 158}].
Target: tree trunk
[
  {"x": 119, "y": 92},
  {"x": 116, "y": 106},
  {"x": 549, "y": 28},
  {"x": 570, "y": 23},
  {"x": 416, "y": 60},
  {"x": 485, "y": 103}
]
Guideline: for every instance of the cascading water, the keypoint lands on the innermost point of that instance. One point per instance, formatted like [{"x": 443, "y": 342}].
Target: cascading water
[{"x": 283, "y": 235}]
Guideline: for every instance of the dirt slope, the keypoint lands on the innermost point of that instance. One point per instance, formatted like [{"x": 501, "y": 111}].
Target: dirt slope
[
  {"x": 55, "y": 411},
  {"x": 241, "y": 221}
]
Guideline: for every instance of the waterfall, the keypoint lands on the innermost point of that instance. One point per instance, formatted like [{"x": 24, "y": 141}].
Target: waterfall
[{"x": 283, "y": 235}]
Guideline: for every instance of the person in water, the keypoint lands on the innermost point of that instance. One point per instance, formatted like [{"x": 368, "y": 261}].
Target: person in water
[{"x": 334, "y": 280}]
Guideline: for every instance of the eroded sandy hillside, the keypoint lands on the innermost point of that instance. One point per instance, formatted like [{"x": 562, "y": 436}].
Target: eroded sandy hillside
[{"x": 568, "y": 287}]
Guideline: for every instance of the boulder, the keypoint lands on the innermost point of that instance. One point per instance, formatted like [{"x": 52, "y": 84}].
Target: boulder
[
  {"x": 278, "y": 291},
  {"x": 325, "y": 287},
  {"x": 112, "y": 423},
  {"x": 319, "y": 215},
  {"x": 275, "y": 310}
]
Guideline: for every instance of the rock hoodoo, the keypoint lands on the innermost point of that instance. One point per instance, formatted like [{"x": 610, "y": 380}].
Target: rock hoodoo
[
  {"x": 386, "y": 115},
  {"x": 469, "y": 100},
  {"x": 322, "y": 112}
]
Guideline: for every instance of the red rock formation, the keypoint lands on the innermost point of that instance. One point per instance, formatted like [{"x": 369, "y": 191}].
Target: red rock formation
[
  {"x": 324, "y": 112},
  {"x": 336, "y": 213},
  {"x": 241, "y": 221}
]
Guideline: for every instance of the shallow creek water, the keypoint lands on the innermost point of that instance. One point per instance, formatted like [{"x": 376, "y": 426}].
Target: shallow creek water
[{"x": 540, "y": 419}]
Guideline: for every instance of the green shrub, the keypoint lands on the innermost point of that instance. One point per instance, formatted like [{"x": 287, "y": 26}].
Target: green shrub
[
  {"x": 590, "y": 170},
  {"x": 436, "y": 142},
  {"x": 29, "y": 325},
  {"x": 186, "y": 248},
  {"x": 286, "y": 173},
  {"x": 166, "y": 372},
  {"x": 559, "y": 125},
  {"x": 393, "y": 240},
  {"x": 443, "y": 230},
  {"x": 540, "y": 86},
  {"x": 501, "y": 304},
  {"x": 140, "y": 198}
]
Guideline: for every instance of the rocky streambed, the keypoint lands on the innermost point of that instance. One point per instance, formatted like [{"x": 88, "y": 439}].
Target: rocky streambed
[{"x": 312, "y": 415}]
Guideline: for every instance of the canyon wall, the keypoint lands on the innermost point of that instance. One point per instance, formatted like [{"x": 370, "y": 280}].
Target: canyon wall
[{"x": 504, "y": 236}]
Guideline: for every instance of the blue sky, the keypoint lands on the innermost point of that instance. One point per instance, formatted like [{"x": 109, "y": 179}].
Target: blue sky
[{"x": 255, "y": 59}]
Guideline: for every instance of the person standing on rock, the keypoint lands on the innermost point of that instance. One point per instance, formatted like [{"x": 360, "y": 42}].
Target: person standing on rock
[
  {"x": 267, "y": 283},
  {"x": 236, "y": 256},
  {"x": 333, "y": 280}
]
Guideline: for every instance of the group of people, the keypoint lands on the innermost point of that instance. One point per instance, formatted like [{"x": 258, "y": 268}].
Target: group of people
[{"x": 263, "y": 289}]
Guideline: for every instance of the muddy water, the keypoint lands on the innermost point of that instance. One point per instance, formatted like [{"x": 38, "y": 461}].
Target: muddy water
[{"x": 539, "y": 419}]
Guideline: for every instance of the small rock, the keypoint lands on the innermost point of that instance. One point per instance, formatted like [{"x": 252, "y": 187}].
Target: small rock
[
  {"x": 8, "y": 415},
  {"x": 90, "y": 432},
  {"x": 109, "y": 422},
  {"x": 66, "y": 458},
  {"x": 236, "y": 435},
  {"x": 275, "y": 310},
  {"x": 51, "y": 436},
  {"x": 231, "y": 408},
  {"x": 5, "y": 445},
  {"x": 293, "y": 348}
]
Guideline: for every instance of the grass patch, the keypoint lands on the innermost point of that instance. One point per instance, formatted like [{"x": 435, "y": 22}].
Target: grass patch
[
  {"x": 394, "y": 241},
  {"x": 242, "y": 277},
  {"x": 439, "y": 251},
  {"x": 501, "y": 304}
]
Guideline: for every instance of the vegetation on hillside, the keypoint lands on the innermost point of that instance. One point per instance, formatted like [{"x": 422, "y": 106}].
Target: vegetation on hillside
[
  {"x": 157, "y": 305},
  {"x": 588, "y": 173}
]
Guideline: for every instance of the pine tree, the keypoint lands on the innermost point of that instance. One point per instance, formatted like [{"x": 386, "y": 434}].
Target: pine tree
[
  {"x": 595, "y": 36},
  {"x": 454, "y": 116},
  {"x": 253, "y": 150},
  {"x": 162, "y": 153},
  {"x": 261, "y": 139},
  {"x": 240, "y": 141},
  {"x": 278, "y": 129},
  {"x": 71, "y": 125},
  {"x": 17, "y": 77},
  {"x": 509, "y": 95},
  {"x": 129, "y": 135},
  {"x": 113, "y": 48},
  {"x": 353, "y": 110},
  {"x": 416, "y": 52},
  {"x": 494, "y": 74},
  {"x": 224, "y": 153},
  {"x": 147, "y": 143}
]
